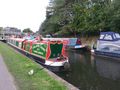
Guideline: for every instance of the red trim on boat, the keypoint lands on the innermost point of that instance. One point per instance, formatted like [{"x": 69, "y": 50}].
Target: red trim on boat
[{"x": 48, "y": 51}]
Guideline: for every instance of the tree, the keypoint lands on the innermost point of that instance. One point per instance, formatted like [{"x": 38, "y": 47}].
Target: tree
[
  {"x": 27, "y": 30},
  {"x": 115, "y": 16},
  {"x": 82, "y": 16}
]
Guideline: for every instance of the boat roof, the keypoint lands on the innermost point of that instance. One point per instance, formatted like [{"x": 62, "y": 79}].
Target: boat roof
[
  {"x": 29, "y": 37},
  {"x": 109, "y": 36}
]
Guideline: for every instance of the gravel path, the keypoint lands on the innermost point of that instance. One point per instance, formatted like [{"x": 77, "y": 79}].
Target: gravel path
[{"x": 6, "y": 80}]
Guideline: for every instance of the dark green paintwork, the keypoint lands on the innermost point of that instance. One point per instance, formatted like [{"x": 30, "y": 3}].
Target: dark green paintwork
[
  {"x": 17, "y": 43},
  {"x": 39, "y": 49},
  {"x": 56, "y": 50}
]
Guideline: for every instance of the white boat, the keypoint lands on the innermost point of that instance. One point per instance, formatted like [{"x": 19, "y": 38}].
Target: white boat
[{"x": 108, "y": 44}]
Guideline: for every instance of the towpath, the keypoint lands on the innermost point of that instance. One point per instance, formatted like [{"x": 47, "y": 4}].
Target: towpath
[{"x": 6, "y": 80}]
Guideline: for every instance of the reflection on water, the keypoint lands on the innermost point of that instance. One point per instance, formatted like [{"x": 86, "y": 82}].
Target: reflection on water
[
  {"x": 92, "y": 73},
  {"x": 108, "y": 68}
]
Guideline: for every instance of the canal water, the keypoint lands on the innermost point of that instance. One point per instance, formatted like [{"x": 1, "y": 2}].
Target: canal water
[{"x": 88, "y": 72}]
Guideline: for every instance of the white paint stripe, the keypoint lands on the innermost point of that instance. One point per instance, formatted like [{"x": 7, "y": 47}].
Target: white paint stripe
[{"x": 50, "y": 63}]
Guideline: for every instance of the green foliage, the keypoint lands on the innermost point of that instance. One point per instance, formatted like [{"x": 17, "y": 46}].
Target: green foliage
[
  {"x": 82, "y": 16},
  {"x": 115, "y": 16},
  {"x": 27, "y": 30}
]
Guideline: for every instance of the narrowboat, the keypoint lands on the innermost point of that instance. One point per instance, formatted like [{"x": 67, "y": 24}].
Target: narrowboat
[
  {"x": 70, "y": 43},
  {"x": 108, "y": 44},
  {"x": 48, "y": 53}
]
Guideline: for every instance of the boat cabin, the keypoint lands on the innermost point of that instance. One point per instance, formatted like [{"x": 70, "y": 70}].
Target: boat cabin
[
  {"x": 109, "y": 36},
  {"x": 109, "y": 41}
]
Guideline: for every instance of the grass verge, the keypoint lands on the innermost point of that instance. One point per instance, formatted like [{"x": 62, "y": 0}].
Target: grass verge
[{"x": 19, "y": 66}]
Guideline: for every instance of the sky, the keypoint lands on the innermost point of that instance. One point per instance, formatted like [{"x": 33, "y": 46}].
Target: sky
[{"x": 23, "y": 13}]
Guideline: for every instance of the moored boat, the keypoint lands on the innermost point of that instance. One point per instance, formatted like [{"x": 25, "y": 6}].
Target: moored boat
[
  {"x": 3, "y": 38},
  {"x": 69, "y": 43},
  {"x": 48, "y": 53},
  {"x": 108, "y": 44}
]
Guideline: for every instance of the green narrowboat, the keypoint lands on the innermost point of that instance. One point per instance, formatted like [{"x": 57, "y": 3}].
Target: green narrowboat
[{"x": 46, "y": 52}]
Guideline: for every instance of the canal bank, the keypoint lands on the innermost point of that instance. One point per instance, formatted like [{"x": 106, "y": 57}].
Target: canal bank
[{"x": 67, "y": 84}]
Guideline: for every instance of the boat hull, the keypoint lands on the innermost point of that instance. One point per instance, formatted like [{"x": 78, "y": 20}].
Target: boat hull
[
  {"x": 78, "y": 47},
  {"x": 105, "y": 53}
]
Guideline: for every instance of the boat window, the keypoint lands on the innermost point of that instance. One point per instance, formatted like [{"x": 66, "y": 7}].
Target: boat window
[
  {"x": 114, "y": 36},
  {"x": 101, "y": 36},
  {"x": 48, "y": 36},
  {"x": 117, "y": 35},
  {"x": 108, "y": 37}
]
